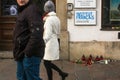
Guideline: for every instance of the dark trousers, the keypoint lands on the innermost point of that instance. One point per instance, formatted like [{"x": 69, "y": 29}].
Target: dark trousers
[{"x": 49, "y": 66}]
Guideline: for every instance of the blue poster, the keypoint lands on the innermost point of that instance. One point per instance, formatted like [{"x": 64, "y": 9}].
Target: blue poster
[
  {"x": 114, "y": 10},
  {"x": 85, "y": 17}
]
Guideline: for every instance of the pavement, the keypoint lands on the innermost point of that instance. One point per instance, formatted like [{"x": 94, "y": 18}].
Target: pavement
[{"x": 95, "y": 71}]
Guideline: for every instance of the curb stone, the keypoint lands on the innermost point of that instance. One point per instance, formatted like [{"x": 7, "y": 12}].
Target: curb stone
[{"x": 6, "y": 55}]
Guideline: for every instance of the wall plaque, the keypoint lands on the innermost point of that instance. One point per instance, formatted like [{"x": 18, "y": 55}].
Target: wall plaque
[
  {"x": 85, "y": 3},
  {"x": 85, "y": 17}
]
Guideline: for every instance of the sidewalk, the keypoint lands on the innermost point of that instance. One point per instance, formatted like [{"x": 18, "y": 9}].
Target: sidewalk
[{"x": 110, "y": 71}]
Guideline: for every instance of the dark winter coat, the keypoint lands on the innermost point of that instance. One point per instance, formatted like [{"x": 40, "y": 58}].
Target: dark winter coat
[{"x": 28, "y": 33}]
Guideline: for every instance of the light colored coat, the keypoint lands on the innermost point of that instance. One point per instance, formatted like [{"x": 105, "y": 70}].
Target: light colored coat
[{"x": 51, "y": 35}]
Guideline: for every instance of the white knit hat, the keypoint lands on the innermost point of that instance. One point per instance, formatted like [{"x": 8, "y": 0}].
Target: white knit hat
[{"x": 49, "y": 6}]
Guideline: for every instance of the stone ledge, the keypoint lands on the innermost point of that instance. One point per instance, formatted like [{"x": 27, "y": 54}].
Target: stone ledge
[{"x": 6, "y": 55}]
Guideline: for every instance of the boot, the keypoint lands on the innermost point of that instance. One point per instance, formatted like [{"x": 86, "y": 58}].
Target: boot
[{"x": 63, "y": 75}]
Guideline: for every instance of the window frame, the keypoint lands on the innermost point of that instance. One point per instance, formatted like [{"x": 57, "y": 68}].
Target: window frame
[
  {"x": 1, "y": 10},
  {"x": 108, "y": 25}
]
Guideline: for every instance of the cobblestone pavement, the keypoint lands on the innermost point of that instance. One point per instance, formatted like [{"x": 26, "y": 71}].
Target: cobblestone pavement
[{"x": 110, "y": 71}]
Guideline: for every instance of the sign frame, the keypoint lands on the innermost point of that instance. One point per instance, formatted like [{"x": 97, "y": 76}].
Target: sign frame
[
  {"x": 85, "y": 17},
  {"x": 85, "y": 3}
]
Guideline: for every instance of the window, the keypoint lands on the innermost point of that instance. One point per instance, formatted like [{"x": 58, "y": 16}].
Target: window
[
  {"x": 110, "y": 15},
  {"x": 8, "y": 7}
]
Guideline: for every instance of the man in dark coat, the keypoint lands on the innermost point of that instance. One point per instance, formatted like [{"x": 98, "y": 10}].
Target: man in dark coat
[{"x": 28, "y": 40}]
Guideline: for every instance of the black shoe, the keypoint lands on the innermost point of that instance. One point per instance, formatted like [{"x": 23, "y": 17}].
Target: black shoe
[{"x": 64, "y": 75}]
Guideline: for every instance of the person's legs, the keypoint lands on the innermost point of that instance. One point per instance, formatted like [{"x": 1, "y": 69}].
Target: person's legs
[
  {"x": 49, "y": 66},
  {"x": 53, "y": 66},
  {"x": 31, "y": 67},
  {"x": 48, "y": 69},
  {"x": 61, "y": 73},
  {"x": 20, "y": 71}
]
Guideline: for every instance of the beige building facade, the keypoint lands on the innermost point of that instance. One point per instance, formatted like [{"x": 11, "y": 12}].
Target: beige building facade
[
  {"x": 78, "y": 40},
  {"x": 87, "y": 27}
]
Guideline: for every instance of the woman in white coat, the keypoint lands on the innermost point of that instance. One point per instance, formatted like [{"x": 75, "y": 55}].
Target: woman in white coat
[{"x": 51, "y": 36}]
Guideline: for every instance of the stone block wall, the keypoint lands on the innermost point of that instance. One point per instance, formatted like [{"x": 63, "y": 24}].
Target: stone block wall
[{"x": 106, "y": 49}]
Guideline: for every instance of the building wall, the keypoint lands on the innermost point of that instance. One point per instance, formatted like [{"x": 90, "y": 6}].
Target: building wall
[
  {"x": 91, "y": 39},
  {"x": 109, "y": 50},
  {"x": 61, "y": 11},
  {"x": 79, "y": 40},
  {"x": 90, "y": 33}
]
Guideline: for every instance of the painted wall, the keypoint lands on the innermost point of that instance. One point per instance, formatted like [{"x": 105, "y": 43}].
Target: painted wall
[
  {"x": 91, "y": 39},
  {"x": 90, "y": 33}
]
